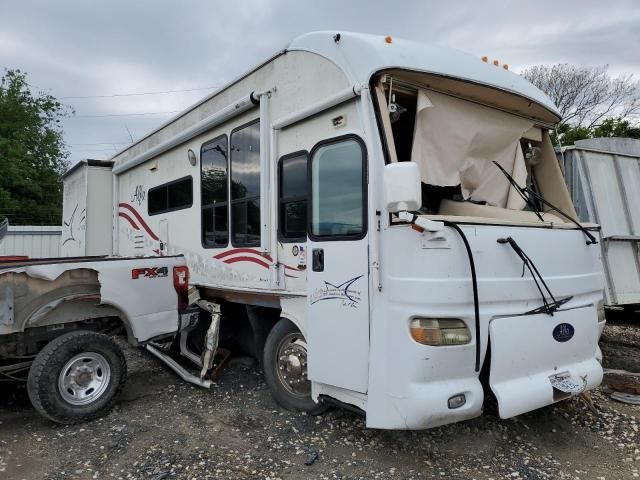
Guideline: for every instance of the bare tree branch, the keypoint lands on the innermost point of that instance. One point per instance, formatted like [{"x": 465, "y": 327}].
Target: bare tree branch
[{"x": 586, "y": 95}]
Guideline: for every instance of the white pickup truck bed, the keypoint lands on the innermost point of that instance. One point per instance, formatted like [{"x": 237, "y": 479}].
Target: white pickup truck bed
[{"x": 58, "y": 317}]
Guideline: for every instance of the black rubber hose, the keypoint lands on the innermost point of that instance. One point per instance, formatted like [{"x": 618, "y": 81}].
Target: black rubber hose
[{"x": 474, "y": 282}]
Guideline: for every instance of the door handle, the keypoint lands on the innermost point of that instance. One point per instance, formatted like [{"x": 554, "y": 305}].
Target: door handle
[{"x": 317, "y": 260}]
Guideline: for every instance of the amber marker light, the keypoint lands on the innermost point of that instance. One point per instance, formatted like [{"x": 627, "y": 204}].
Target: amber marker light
[
  {"x": 388, "y": 39},
  {"x": 485, "y": 59},
  {"x": 438, "y": 332}
]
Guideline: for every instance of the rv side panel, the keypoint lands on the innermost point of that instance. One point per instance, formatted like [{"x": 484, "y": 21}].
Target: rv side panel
[{"x": 292, "y": 80}]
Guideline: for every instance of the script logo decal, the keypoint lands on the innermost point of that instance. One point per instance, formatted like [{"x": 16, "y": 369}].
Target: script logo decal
[{"x": 345, "y": 293}]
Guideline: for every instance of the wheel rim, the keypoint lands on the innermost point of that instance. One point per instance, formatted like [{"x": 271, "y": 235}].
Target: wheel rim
[
  {"x": 291, "y": 365},
  {"x": 84, "y": 378}
]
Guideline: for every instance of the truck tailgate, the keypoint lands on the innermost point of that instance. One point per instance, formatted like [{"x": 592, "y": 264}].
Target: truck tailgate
[{"x": 539, "y": 359}]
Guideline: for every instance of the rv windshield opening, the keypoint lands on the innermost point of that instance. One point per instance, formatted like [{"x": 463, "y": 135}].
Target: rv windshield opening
[{"x": 456, "y": 142}]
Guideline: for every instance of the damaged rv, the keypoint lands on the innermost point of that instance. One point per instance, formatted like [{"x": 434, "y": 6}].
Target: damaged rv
[{"x": 382, "y": 223}]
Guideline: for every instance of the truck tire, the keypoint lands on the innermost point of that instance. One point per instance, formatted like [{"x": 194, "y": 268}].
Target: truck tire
[
  {"x": 76, "y": 377},
  {"x": 285, "y": 369}
]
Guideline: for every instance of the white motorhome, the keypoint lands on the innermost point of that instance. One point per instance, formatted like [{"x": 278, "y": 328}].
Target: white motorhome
[{"x": 373, "y": 216}]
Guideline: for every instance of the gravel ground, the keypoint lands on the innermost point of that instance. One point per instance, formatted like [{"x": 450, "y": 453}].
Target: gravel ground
[
  {"x": 620, "y": 343},
  {"x": 164, "y": 428}
]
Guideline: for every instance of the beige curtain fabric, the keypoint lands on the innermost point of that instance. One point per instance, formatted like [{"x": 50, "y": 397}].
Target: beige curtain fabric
[{"x": 455, "y": 143}]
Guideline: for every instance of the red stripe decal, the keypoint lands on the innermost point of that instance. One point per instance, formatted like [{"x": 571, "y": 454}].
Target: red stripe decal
[
  {"x": 129, "y": 219},
  {"x": 295, "y": 269},
  {"x": 247, "y": 259},
  {"x": 289, "y": 276},
  {"x": 140, "y": 219},
  {"x": 242, "y": 250}
]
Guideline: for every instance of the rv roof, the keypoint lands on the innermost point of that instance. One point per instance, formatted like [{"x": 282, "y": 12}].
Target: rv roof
[
  {"x": 361, "y": 55},
  {"x": 88, "y": 162}
]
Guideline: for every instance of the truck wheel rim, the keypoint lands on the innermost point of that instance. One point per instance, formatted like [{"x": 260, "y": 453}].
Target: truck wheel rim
[
  {"x": 291, "y": 365},
  {"x": 84, "y": 378}
]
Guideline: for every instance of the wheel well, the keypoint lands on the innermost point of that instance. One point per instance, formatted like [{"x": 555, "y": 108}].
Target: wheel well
[
  {"x": 33, "y": 339},
  {"x": 244, "y": 328}
]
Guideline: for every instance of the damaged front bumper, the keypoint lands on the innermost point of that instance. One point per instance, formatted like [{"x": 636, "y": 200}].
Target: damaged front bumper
[{"x": 537, "y": 360}]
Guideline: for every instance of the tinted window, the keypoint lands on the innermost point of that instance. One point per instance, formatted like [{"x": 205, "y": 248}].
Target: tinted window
[
  {"x": 180, "y": 194},
  {"x": 294, "y": 176},
  {"x": 214, "y": 193},
  {"x": 337, "y": 185},
  {"x": 171, "y": 196},
  {"x": 245, "y": 185},
  {"x": 157, "y": 200},
  {"x": 293, "y": 197},
  {"x": 245, "y": 162}
]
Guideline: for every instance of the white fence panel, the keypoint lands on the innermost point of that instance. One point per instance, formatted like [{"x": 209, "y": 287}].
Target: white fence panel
[{"x": 32, "y": 241}]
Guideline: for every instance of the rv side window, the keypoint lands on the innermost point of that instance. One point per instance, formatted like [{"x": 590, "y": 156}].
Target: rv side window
[
  {"x": 171, "y": 196},
  {"x": 292, "y": 219},
  {"x": 338, "y": 191},
  {"x": 214, "y": 193},
  {"x": 245, "y": 185}
]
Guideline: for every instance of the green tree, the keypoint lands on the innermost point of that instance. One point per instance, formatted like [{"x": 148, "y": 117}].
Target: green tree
[
  {"x": 569, "y": 134},
  {"x": 616, "y": 127},
  {"x": 610, "y": 127},
  {"x": 32, "y": 153}
]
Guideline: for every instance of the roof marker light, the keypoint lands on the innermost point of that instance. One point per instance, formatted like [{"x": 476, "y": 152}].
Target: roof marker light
[
  {"x": 505, "y": 66},
  {"x": 388, "y": 39},
  {"x": 496, "y": 63},
  {"x": 485, "y": 59}
]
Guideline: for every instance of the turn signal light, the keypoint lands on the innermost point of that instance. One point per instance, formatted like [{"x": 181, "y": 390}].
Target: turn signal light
[
  {"x": 438, "y": 332},
  {"x": 457, "y": 401}
]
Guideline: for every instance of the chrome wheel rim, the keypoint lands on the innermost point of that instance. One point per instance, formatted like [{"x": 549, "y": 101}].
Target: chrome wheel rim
[
  {"x": 291, "y": 365},
  {"x": 84, "y": 378}
]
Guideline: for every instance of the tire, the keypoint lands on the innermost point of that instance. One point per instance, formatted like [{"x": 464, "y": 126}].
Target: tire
[
  {"x": 76, "y": 377},
  {"x": 287, "y": 378}
]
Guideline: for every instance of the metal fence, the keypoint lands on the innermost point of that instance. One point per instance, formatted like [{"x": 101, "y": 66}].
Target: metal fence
[
  {"x": 603, "y": 175},
  {"x": 32, "y": 241}
]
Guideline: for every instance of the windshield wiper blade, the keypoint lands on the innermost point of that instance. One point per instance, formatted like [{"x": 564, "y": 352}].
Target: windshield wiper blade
[
  {"x": 550, "y": 307},
  {"x": 535, "y": 275},
  {"x": 592, "y": 240},
  {"x": 521, "y": 191}
]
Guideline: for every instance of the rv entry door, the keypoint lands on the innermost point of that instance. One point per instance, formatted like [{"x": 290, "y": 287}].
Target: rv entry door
[{"x": 337, "y": 254}]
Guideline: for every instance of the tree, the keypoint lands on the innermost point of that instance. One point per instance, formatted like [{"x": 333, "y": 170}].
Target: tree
[
  {"x": 32, "y": 153},
  {"x": 610, "y": 127},
  {"x": 586, "y": 95},
  {"x": 616, "y": 127}
]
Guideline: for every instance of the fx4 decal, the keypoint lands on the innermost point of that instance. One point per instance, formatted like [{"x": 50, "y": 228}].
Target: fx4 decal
[{"x": 152, "y": 272}]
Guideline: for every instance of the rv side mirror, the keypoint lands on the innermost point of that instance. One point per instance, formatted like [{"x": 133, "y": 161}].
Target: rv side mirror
[{"x": 402, "y": 191}]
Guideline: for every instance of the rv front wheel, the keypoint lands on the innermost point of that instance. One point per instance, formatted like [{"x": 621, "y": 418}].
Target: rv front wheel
[
  {"x": 285, "y": 368},
  {"x": 76, "y": 377}
]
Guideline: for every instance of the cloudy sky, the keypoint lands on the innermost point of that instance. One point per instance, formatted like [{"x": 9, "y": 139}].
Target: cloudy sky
[{"x": 110, "y": 52}]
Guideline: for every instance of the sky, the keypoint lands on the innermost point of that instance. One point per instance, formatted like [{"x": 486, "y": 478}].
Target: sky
[{"x": 113, "y": 51}]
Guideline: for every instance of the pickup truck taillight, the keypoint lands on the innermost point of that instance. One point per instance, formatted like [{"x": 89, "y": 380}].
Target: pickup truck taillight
[{"x": 181, "y": 284}]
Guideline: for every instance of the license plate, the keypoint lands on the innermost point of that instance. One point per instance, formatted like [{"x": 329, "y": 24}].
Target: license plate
[{"x": 567, "y": 384}]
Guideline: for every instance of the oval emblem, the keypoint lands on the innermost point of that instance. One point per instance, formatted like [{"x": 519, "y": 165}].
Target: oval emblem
[{"x": 563, "y": 332}]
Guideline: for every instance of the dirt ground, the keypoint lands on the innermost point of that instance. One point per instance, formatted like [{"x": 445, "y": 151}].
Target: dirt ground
[{"x": 163, "y": 428}]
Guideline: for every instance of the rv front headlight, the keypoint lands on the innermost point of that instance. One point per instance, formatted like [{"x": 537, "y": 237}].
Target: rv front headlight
[{"x": 438, "y": 332}]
